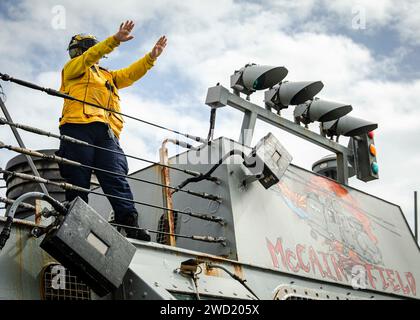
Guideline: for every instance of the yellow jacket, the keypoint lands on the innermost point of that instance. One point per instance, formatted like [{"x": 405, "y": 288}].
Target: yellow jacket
[{"x": 84, "y": 80}]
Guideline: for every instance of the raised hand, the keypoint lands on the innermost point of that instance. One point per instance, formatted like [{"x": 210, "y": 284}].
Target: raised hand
[
  {"x": 123, "y": 34},
  {"x": 158, "y": 48}
]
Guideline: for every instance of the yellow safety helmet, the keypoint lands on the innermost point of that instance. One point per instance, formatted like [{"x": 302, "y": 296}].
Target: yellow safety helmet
[{"x": 79, "y": 43}]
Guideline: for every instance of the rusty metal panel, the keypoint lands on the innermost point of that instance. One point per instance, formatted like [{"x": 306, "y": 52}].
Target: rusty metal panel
[{"x": 21, "y": 262}]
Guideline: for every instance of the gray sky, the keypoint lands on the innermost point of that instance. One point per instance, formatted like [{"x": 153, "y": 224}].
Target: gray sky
[{"x": 365, "y": 52}]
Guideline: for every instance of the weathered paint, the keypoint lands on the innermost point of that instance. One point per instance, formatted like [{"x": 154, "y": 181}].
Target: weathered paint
[
  {"x": 257, "y": 217},
  {"x": 297, "y": 210},
  {"x": 213, "y": 272},
  {"x": 22, "y": 261},
  {"x": 238, "y": 270},
  {"x": 154, "y": 263}
]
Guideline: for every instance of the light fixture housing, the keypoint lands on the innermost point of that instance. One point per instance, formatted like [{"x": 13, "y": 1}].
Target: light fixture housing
[
  {"x": 255, "y": 77},
  {"x": 347, "y": 126},
  {"x": 291, "y": 93},
  {"x": 320, "y": 110}
]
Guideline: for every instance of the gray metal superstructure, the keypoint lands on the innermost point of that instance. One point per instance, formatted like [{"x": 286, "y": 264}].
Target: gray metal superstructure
[
  {"x": 305, "y": 234},
  {"x": 271, "y": 230}
]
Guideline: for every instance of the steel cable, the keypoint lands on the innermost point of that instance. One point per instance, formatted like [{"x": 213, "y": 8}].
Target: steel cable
[
  {"x": 22, "y": 205},
  {"x": 210, "y": 239},
  {"x": 193, "y": 237},
  {"x": 52, "y": 92},
  {"x": 62, "y": 160},
  {"x": 68, "y": 186},
  {"x": 84, "y": 143}
]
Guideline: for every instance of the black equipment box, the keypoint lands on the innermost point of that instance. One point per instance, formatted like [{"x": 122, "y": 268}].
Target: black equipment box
[{"x": 89, "y": 246}]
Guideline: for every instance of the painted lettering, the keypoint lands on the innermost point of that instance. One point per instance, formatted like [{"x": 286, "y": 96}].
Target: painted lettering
[
  {"x": 275, "y": 250},
  {"x": 299, "y": 250},
  {"x": 411, "y": 282},
  {"x": 332, "y": 266},
  {"x": 289, "y": 255},
  {"x": 391, "y": 280},
  {"x": 371, "y": 278},
  {"x": 326, "y": 265},
  {"x": 313, "y": 258}
]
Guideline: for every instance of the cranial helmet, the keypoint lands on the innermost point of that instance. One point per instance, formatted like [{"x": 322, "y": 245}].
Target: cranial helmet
[{"x": 80, "y": 43}]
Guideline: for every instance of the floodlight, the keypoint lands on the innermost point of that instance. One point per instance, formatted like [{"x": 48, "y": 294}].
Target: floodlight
[
  {"x": 320, "y": 110},
  {"x": 348, "y": 126},
  {"x": 291, "y": 93},
  {"x": 254, "y": 77}
]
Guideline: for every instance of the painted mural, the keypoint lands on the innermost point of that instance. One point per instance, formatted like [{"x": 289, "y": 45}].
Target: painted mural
[{"x": 345, "y": 231}]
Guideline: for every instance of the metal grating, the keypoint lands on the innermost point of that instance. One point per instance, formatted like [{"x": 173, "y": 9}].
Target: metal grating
[{"x": 74, "y": 288}]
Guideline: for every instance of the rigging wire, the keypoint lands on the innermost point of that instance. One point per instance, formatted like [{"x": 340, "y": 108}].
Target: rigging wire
[
  {"x": 221, "y": 240},
  {"x": 78, "y": 164},
  {"x": 23, "y": 205},
  {"x": 52, "y": 92},
  {"x": 21, "y": 144},
  {"x": 40, "y": 230},
  {"x": 84, "y": 143},
  {"x": 212, "y": 169},
  {"x": 211, "y": 239},
  {"x": 68, "y": 186}
]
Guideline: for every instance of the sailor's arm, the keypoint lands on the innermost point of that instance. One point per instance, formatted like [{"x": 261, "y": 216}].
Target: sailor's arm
[{"x": 127, "y": 76}]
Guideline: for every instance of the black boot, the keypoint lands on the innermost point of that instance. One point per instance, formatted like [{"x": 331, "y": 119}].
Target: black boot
[{"x": 132, "y": 221}]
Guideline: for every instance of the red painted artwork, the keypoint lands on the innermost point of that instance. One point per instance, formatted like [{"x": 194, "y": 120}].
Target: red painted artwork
[{"x": 344, "y": 229}]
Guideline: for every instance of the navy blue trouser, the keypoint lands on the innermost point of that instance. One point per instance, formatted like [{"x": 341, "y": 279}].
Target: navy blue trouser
[{"x": 96, "y": 133}]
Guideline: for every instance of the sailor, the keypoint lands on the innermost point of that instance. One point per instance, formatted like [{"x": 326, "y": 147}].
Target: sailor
[{"x": 83, "y": 78}]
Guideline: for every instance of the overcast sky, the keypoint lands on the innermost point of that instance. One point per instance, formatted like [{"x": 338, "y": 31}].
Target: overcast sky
[{"x": 365, "y": 52}]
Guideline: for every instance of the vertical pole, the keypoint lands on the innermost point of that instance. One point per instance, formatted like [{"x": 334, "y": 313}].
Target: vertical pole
[
  {"x": 21, "y": 144},
  {"x": 416, "y": 226},
  {"x": 342, "y": 168},
  {"x": 248, "y": 126},
  {"x": 167, "y": 193}
]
